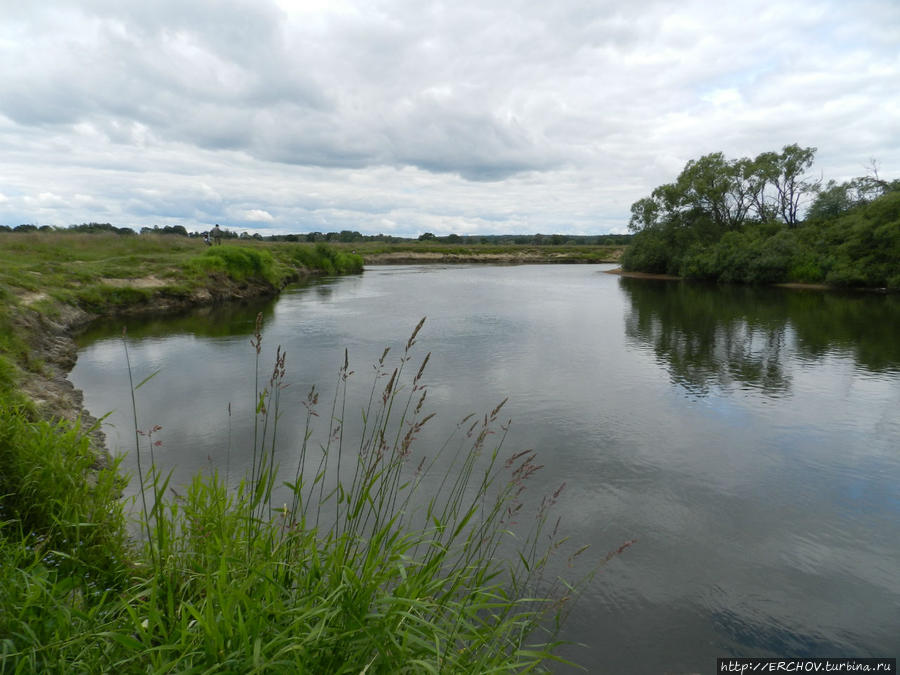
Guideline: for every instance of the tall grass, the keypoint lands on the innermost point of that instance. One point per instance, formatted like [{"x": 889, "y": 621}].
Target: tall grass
[
  {"x": 238, "y": 262},
  {"x": 381, "y": 560},
  {"x": 328, "y": 259}
]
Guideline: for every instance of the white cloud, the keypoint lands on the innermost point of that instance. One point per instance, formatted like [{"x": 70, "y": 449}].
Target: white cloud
[
  {"x": 300, "y": 114},
  {"x": 45, "y": 200},
  {"x": 258, "y": 216}
]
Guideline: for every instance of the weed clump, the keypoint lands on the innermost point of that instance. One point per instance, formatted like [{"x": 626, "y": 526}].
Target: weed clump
[
  {"x": 238, "y": 262},
  {"x": 58, "y": 498},
  {"x": 327, "y": 259}
]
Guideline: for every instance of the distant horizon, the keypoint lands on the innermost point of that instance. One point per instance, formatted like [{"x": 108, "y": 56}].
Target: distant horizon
[{"x": 238, "y": 231}]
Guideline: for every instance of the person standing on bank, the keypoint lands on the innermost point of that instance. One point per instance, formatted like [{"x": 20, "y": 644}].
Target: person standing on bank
[{"x": 217, "y": 235}]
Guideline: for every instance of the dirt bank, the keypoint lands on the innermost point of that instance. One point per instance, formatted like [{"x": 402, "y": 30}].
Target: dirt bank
[
  {"x": 643, "y": 275},
  {"x": 53, "y": 351}
]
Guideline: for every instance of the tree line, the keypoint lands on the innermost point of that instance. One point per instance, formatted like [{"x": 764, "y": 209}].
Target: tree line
[
  {"x": 346, "y": 236},
  {"x": 767, "y": 220}
]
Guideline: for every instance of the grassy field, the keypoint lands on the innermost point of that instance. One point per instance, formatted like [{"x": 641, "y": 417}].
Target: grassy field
[
  {"x": 102, "y": 272},
  {"x": 361, "y": 573}
]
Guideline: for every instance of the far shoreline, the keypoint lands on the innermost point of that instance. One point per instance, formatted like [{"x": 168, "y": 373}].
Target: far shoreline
[{"x": 493, "y": 258}]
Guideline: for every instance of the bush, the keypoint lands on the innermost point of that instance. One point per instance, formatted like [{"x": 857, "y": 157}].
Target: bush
[
  {"x": 649, "y": 252},
  {"x": 772, "y": 258},
  {"x": 699, "y": 263},
  {"x": 241, "y": 263},
  {"x": 327, "y": 259},
  {"x": 806, "y": 271}
]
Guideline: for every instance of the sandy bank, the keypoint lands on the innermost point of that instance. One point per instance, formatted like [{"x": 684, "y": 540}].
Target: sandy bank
[{"x": 643, "y": 275}]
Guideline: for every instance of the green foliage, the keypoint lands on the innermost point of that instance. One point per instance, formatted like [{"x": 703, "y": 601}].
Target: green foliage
[
  {"x": 326, "y": 259},
  {"x": 14, "y": 352},
  {"x": 7, "y": 375},
  {"x": 95, "y": 228},
  {"x": 864, "y": 244},
  {"x": 241, "y": 263},
  {"x": 693, "y": 227},
  {"x": 55, "y": 492},
  {"x": 730, "y": 193},
  {"x": 167, "y": 230},
  {"x": 837, "y": 199},
  {"x": 832, "y": 201},
  {"x": 650, "y": 252},
  {"x": 104, "y": 298}
]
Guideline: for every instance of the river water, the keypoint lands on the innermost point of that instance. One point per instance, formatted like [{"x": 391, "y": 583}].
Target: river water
[{"x": 748, "y": 439}]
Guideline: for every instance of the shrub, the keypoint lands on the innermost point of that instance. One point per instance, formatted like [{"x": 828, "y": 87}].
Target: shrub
[
  {"x": 771, "y": 258},
  {"x": 806, "y": 271},
  {"x": 327, "y": 259},
  {"x": 649, "y": 252},
  {"x": 241, "y": 263}
]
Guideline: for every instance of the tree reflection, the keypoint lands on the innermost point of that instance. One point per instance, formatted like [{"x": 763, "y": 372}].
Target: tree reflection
[{"x": 740, "y": 335}]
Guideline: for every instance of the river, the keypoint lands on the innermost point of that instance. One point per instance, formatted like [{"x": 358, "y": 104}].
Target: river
[{"x": 748, "y": 439}]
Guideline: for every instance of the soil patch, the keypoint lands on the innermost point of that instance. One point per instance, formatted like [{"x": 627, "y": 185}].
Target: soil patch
[
  {"x": 143, "y": 282},
  {"x": 31, "y": 298}
]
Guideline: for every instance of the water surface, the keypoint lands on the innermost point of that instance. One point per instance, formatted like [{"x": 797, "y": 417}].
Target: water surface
[{"x": 749, "y": 439}]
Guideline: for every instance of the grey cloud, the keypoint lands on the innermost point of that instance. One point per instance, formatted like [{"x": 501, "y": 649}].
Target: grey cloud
[
  {"x": 151, "y": 62},
  {"x": 396, "y": 113},
  {"x": 188, "y": 78}
]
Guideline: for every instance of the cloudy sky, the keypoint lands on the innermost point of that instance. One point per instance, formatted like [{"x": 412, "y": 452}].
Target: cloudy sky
[{"x": 406, "y": 116}]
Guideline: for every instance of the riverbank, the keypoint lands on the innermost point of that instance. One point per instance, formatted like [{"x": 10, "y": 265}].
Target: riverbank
[
  {"x": 220, "y": 579},
  {"x": 50, "y": 339},
  {"x": 52, "y": 285},
  {"x": 618, "y": 271}
]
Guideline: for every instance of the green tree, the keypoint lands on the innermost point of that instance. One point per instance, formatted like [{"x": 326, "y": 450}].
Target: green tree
[
  {"x": 348, "y": 236},
  {"x": 710, "y": 188},
  {"x": 743, "y": 203},
  {"x": 716, "y": 187},
  {"x": 786, "y": 174}
]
